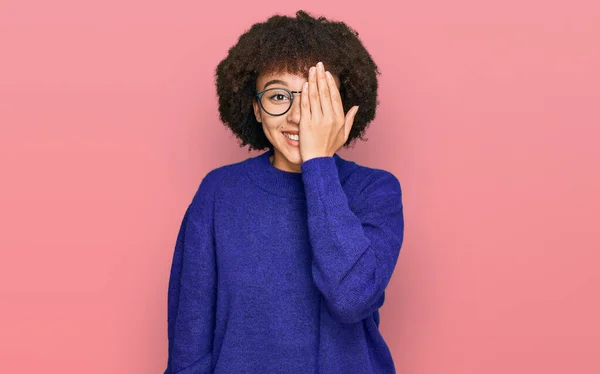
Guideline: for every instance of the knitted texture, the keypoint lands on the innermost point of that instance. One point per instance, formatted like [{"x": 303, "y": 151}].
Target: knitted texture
[{"x": 282, "y": 272}]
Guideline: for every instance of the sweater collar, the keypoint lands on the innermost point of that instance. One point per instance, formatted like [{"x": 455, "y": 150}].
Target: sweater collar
[{"x": 276, "y": 181}]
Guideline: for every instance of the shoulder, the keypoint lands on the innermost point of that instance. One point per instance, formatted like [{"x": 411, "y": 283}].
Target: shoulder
[
  {"x": 364, "y": 182},
  {"x": 216, "y": 179}
]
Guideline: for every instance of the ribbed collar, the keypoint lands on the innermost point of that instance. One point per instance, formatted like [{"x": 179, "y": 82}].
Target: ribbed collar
[{"x": 276, "y": 181}]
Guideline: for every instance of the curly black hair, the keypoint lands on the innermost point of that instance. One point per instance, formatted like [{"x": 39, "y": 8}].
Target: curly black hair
[{"x": 292, "y": 45}]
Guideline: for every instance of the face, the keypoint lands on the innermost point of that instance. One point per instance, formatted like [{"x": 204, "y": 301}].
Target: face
[{"x": 286, "y": 151}]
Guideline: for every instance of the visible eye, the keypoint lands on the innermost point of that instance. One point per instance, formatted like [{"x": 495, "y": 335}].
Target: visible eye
[{"x": 278, "y": 96}]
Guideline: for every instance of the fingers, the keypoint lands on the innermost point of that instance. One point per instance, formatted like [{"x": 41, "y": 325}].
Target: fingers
[
  {"x": 304, "y": 103},
  {"x": 313, "y": 94},
  {"x": 324, "y": 96},
  {"x": 336, "y": 99},
  {"x": 349, "y": 120}
]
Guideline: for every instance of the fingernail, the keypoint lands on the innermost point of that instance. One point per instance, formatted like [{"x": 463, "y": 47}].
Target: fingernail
[
  {"x": 328, "y": 74},
  {"x": 320, "y": 65},
  {"x": 312, "y": 70}
]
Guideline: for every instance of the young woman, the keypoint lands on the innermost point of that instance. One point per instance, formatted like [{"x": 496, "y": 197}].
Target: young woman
[{"x": 282, "y": 260}]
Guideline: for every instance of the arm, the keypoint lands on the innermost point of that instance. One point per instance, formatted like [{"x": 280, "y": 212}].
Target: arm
[
  {"x": 192, "y": 289},
  {"x": 354, "y": 252}
]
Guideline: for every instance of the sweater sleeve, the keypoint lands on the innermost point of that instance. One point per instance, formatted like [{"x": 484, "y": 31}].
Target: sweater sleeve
[
  {"x": 354, "y": 251},
  {"x": 192, "y": 289}
]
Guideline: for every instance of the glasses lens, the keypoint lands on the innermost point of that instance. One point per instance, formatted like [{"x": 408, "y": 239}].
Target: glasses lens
[{"x": 276, "y": 101}]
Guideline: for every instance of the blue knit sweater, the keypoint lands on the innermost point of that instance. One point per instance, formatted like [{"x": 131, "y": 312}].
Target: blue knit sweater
[{"x": 282, "y": 272}]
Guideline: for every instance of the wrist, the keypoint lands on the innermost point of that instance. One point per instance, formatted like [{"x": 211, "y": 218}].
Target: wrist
[{"x": 311, "y": 156}]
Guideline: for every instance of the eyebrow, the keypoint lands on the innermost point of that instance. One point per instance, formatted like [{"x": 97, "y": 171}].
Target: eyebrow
[{"x": 275, "y": 81}]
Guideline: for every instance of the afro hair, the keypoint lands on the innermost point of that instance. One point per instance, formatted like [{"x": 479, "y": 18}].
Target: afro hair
[{"x": 292, "y": 45}]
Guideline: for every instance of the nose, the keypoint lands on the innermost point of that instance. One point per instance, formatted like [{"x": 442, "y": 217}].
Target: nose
[{"x": 293, "y": 115}]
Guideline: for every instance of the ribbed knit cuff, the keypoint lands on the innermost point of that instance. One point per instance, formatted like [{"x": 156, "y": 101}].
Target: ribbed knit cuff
[{"x": 319, "y": 165}]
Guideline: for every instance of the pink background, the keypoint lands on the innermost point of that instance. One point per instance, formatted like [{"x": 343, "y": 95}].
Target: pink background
[{"x": 489, "y": 117}]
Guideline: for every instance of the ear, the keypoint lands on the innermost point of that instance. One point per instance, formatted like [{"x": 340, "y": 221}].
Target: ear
[{"x": 256, "y": 107}]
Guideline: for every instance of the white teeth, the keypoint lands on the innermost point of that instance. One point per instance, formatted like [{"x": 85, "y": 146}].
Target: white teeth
[{"x": 292, "y": 136}]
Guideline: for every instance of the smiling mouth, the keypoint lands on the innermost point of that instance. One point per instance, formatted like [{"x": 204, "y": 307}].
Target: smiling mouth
[{"x": 294, "y": 137}]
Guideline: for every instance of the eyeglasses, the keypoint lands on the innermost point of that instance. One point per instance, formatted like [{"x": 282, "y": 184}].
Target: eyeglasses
[{"x": 276, "y": 101}]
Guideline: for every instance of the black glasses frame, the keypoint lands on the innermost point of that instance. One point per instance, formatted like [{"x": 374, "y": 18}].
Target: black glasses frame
[{"x": 260, "y": 95}]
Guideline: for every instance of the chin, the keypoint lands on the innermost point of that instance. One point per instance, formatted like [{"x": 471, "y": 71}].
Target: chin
[{"x": 293, "y": 157}]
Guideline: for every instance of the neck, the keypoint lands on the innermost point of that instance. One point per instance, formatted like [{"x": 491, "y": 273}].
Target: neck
[{"x": 278, "y": 161}]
